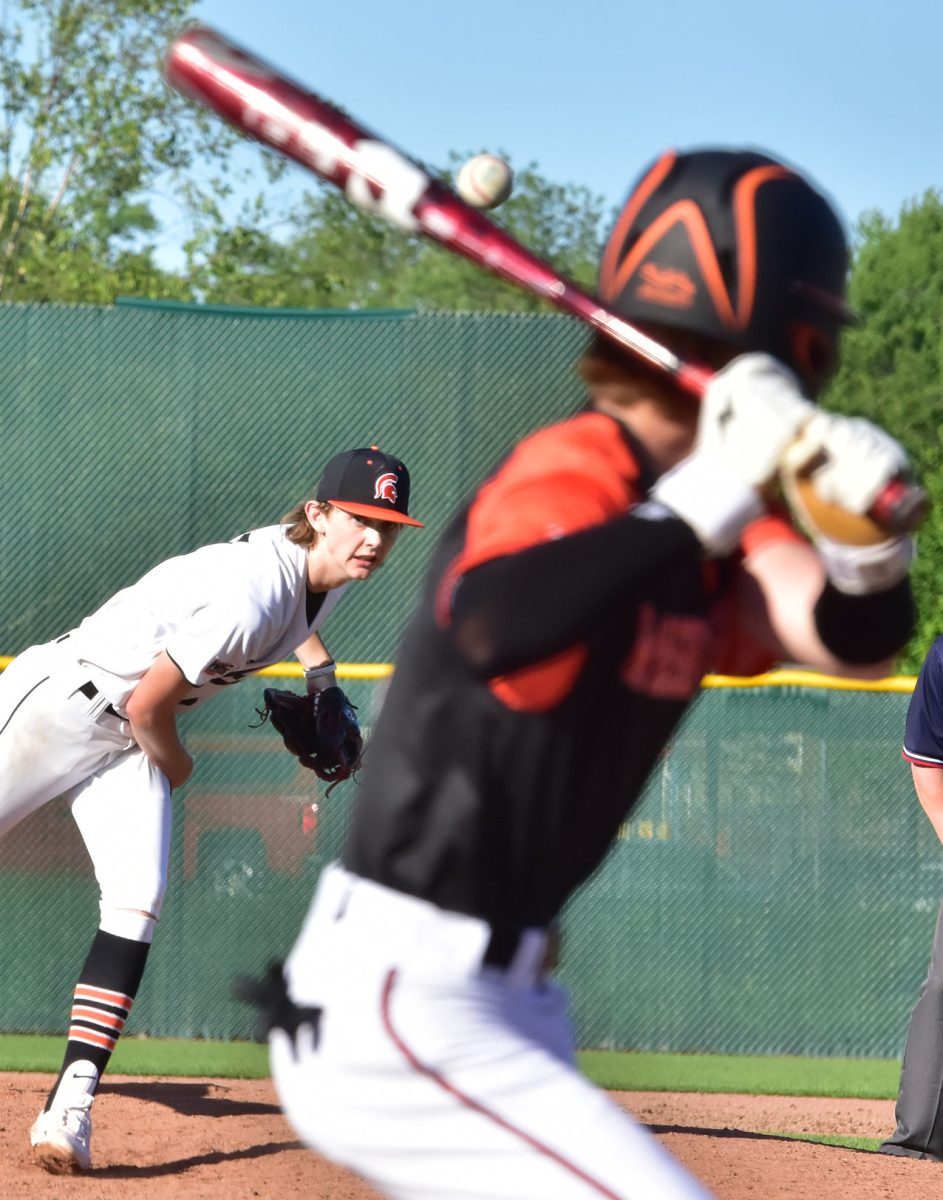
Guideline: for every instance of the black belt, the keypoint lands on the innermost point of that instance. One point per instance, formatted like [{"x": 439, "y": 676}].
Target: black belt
[{"x": 91, "y": 691}]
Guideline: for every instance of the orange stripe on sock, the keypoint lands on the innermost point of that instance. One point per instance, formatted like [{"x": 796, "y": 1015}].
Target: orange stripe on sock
[
  {"x": 78, "y": 1033},
  {"x": 79, "y": 1013},
  {"x": 84, "y": 991}
]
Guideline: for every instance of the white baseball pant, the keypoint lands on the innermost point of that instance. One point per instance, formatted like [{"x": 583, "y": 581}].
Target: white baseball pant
[
  {"x": 57, "y": 741},
  {"x": 433, "y": 1076}
]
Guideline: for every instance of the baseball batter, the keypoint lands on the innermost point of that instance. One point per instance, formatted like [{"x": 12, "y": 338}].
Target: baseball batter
[
  {"x": 92, "y": 715},
  {"x": 919, "y": 1113},
  {"x": 569, "y": 615}
]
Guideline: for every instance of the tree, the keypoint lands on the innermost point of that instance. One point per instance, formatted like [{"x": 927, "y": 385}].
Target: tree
[
  {"x": 892, "y": 368},
  {"x": 88, "y": 130},
  {"x": 344, "y": 258}
]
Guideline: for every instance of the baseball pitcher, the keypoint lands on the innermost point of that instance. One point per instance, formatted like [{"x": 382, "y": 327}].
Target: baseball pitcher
[{"x": 92, "y": 715}]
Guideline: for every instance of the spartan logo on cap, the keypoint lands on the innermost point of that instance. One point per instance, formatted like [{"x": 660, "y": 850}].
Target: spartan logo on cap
[
  {"x": 385, "y": 487},
  {"x": 368, "y": 483}
]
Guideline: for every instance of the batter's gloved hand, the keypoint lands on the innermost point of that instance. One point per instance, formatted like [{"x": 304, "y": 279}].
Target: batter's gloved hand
[
  {"x": 848, "y": 462},
  {"x": 751, "y": 411},
  {"x": 276, "y": 1008},
  {"x": 831, "y": 477},
  {"x": 320, "y": 729}
]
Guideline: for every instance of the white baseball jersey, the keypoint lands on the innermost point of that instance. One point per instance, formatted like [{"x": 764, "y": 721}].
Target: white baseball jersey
[{"x": 221, "y": 612}]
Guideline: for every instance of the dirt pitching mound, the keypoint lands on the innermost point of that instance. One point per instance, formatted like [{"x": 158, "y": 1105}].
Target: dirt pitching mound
[{"x": 224, "y": 1139}]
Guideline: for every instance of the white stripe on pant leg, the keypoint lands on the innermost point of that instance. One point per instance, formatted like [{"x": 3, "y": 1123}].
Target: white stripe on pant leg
[
  {"x": 566, "y": 1137},
  {"x": 414, "y": 1140}
]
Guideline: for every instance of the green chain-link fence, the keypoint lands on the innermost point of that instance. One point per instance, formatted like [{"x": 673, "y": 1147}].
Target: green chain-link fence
[
  {"x": 774, "y": 892},
  {"x": 133, "y": 433}
]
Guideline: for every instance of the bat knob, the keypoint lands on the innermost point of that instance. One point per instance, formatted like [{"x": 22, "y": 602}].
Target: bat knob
[{"x": 901, "y": 507}]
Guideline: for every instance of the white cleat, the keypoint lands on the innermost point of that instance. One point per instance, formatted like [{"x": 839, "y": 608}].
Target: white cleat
[{"x": 60, "y": 1137}]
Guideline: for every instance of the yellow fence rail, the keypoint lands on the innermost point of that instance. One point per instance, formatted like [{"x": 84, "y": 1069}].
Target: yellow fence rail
[{"x": 785, "y": 677}]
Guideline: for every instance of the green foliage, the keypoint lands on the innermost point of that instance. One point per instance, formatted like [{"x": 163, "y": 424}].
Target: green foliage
[
  {"x": 88, "y": 129},
  {"x": 53, "y": 261},
  {"x": 892, "y": 369},
  {"x": 91, "y": 137},
  {"x": 341, "y": 257}
]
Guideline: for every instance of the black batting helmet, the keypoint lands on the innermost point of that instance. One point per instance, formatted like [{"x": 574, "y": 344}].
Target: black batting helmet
[{"x": 734, "y": 246}]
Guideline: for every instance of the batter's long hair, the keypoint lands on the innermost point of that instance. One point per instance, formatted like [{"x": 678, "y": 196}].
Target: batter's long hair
[{"x": 299, "y": 528}]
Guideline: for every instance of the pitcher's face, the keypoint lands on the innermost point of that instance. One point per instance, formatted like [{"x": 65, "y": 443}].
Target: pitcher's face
[{"x": 350, "y": 546}]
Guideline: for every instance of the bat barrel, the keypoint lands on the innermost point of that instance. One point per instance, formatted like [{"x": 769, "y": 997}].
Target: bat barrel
[{"x": 259, "y": 101}]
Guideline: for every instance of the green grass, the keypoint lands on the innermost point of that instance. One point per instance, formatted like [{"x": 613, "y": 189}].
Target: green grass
[
  {"x": 853, "y": 1078},
  {"x": 833, "y": 1139},
  {"x": 144, "y": 1056},
  {"x": 858, "y": 1078}
]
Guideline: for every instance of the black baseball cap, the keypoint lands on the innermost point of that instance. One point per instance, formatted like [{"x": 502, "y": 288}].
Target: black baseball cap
[{"x": 368, "y": 483}]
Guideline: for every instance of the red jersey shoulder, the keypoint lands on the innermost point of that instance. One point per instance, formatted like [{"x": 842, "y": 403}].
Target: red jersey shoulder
[
  {"x": 566, "y": 477},
  {"x": 590, "y": 449}
]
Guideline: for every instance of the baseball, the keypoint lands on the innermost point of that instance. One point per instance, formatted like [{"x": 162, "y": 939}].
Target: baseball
[{"x": 484, "y": 181}]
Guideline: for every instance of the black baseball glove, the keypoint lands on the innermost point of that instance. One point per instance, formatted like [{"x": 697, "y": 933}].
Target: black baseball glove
[{"x": 321, "y": 730}]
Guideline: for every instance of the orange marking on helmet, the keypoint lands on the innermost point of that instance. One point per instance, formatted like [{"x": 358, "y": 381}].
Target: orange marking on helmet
[
  {"x": 669, "y": 286},
  {"x": 744, "y": 207},
  {"x": 687, "y": 213},
  {"x": 607, "y": 269}
]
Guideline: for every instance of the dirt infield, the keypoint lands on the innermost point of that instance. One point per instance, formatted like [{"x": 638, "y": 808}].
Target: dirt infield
[{"x": 160, "y": 1139}]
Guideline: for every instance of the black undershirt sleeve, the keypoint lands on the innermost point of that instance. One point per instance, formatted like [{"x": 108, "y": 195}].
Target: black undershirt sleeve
[
  {"x": 523, "y": 607},
  {"x": 865, "y": 629}
]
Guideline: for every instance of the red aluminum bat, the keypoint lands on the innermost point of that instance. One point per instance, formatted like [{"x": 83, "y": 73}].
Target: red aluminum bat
[{"x": 259, "y": 100}]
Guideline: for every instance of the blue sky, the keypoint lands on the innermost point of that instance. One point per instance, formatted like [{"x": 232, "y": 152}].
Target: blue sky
[{"x": 850, "y": 92}]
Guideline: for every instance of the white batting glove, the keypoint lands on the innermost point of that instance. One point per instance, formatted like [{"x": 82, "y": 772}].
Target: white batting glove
[
  {"x": 858, "y": 459},
  {"x": 849, "y": 462},
  {"x": 858, "y": 570},
  {"x": 752, "y": 410}
]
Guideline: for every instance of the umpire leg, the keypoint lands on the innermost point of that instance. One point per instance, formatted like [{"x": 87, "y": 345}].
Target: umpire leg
[{"x": 919, "y": 1112}]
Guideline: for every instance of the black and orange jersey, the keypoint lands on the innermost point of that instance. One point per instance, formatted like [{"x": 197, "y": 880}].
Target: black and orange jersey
[{"x": 558, "y": 640}]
